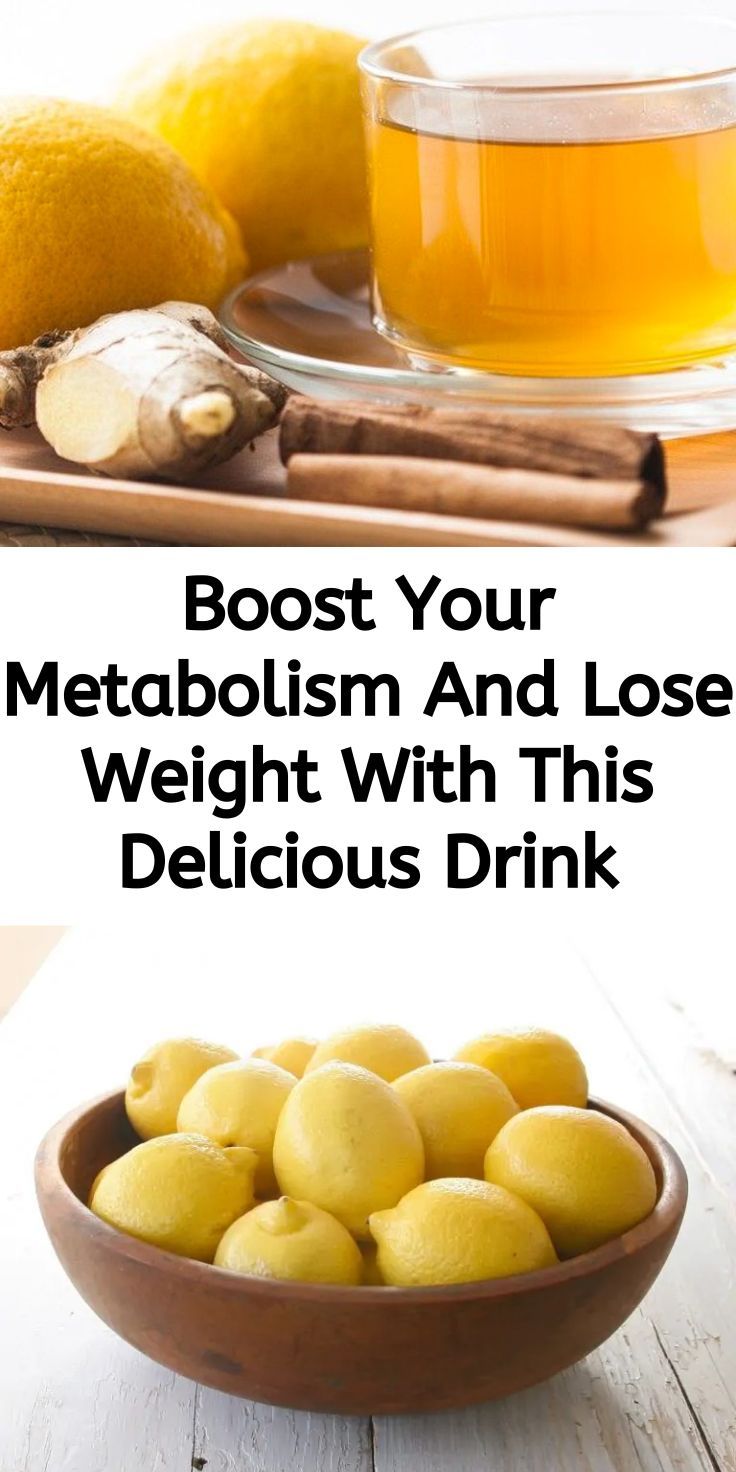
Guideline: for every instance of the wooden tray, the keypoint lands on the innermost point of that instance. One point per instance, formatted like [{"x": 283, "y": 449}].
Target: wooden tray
[{"x": 244, "y": 504}]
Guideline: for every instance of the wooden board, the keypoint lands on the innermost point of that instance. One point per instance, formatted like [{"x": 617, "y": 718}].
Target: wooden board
[
  {"x": 244, "y": 504},
  {"x": 660, "y": 1396}
]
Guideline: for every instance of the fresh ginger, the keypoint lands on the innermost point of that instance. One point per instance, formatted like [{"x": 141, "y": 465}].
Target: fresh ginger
[
  {"x": 22, "y": 368},
  {"x": 20, "y": 371},
  {"x": 139, "y": 394}
]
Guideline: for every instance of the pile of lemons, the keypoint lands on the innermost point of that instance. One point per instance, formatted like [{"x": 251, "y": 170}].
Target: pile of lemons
[
  {"x": 229, "y": 150},
  {"x": 357, "y": 1160}
]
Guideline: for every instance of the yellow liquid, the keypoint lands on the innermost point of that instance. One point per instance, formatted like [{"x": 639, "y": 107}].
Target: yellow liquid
[{"x": 562, "y": 258}]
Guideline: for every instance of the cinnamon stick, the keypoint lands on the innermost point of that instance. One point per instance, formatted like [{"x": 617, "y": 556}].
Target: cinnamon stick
[
  {"x": 558, "y": 446},
  {"x": 454, "y": 488}
]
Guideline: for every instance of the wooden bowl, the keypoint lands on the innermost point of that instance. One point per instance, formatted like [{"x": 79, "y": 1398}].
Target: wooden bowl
[{"x": 351, "y": 1350}]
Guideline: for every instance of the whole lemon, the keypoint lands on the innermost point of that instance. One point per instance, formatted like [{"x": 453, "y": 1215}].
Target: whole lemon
[
  {"x": 239, "y": 1104},
  {"x": 97, "y": 216},
  {"x": 459, "y": 1231},
  {"x": 385, "y": 1049},
  {"x": 293, "y": 1054},
  {"x": 159, "y": 1081},
  {"x": 459, "y": 1109},
  {"x": 537, "y": 1067},
  {"x": 179, "y": 1192},
  {"x": 346, "y": 1142},
  {"x": 268, "y": 115},
  {"x": 588, "y": 1178},
  {"x": 291, "y": 1239}
]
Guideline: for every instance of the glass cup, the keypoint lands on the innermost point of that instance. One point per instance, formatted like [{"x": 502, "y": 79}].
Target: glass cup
[{"x": 554, "y": 196}]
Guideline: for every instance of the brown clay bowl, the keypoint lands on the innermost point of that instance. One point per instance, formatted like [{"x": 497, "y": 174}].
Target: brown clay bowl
[{"x": 353, "y": 1350}]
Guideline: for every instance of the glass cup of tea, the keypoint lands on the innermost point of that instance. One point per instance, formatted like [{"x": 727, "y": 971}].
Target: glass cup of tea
[{"x": 554, "y": 196}]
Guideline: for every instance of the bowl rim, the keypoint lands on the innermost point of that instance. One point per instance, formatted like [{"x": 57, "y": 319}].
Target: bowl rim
[{"x": 663, "y": 1219}]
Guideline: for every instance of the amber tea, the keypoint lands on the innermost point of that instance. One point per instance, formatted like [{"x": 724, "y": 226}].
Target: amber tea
[
  {"x": 543, "y": 204},
  {"x": 606, "y": 256}
]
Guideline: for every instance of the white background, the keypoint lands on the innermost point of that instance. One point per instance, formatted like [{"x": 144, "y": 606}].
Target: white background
[
  {"x": 668, "y": 924},
  {"x": 250, "y": 966},
  {"x": 80, "y": 48}
]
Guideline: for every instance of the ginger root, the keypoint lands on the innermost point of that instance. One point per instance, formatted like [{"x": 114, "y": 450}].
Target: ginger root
[
  {"x": 150, "y": 393},
  {"x": 22, "y": 368},
  {"x": 20, "y": 371}
]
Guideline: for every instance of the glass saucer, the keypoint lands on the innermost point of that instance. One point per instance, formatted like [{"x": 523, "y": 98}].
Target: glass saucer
[{"x": 308, "y": 324}]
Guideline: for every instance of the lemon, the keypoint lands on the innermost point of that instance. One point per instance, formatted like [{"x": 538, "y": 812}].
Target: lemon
[
  {"x": 293, "y": 1054},
  {"x": 459, "y": 1231},
  {"x": 386, "y": 1050},
  {"x": 538, "y": 1067},
  {"x": 346, "y": 1142},
  {"x": 163, "y": 1076},
  {"x": 459, "y": 1109},
  {"x": 97, "y": 216},
  {"x": 584, "y": 1173},
  {"x": 291, "y": 1239},
  {"x": 268, "y": 115},
  {"x": 239, "y": 1104},
  {"x": 179, "y": 1192}
]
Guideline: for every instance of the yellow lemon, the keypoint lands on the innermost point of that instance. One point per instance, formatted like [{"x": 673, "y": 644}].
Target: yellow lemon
[
  {"x": 239, "y": 1104},
  {"x": 459, "y": 1231},
  {"x": 267, "y": 113},
  {"x": 97, "y": 216},
  {"x": 346, "y": 1142},
  {"x": 585, "y": 1174},
  {"x": 291, "y": 1239},
  {"x": 459, "y": 1109},
  {"x": 293, "y": 1054},
  {"x": 159, "y": 1081},
  {"x": 538, "y": 1067},
  {"x": 179, "y": 1192},
  {"x": 385, "y": 1049}
]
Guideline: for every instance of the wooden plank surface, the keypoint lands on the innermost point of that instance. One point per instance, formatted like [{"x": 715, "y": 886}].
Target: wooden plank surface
[
  {"x": 694, "y": 1061},
  {"x": 659, "y": 1396},
  {"x": 239, "y": 1436},
  {"x": 243, "y": 503}
]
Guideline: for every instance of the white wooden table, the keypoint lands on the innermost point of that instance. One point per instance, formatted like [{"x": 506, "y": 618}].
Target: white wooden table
[{"x": 658, "y": 1397}]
